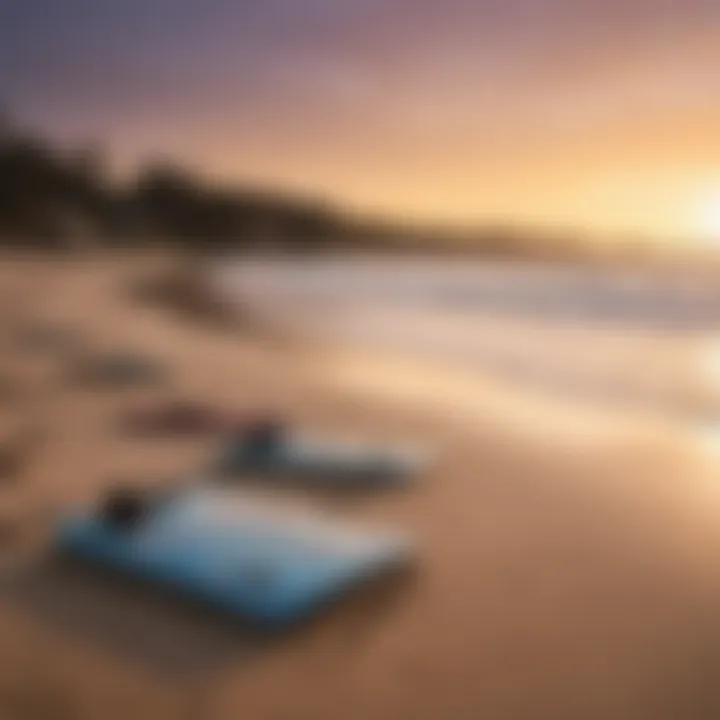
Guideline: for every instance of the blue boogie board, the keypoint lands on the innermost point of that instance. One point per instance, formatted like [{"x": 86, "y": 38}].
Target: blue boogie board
[
  {"x": 331, "y": 463},
  {"x": 237, "y": 555}
]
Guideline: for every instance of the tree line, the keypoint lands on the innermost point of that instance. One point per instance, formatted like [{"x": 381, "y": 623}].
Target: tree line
[{"x": 53, "y": 197}]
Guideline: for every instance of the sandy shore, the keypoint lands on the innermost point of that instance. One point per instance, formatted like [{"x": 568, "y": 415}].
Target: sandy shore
[{"x": 568, "y": 564}]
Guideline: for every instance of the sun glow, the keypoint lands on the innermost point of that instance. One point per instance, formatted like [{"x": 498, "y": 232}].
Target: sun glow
[{"x": 709, "y": 217}]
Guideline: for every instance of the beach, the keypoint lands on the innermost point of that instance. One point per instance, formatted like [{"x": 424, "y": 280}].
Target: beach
[{"x": 567, "y": 553}]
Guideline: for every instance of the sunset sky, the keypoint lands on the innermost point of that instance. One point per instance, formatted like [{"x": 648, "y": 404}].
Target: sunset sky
[{"x": 601, "y": 114}]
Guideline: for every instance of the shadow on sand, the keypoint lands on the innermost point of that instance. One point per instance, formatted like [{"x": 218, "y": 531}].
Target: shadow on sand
[{"x": 175, "y": 639}]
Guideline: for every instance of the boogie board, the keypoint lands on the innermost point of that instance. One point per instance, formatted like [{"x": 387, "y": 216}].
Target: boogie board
[
  {"x": 235, "y": 553},
  {"x": 326, "y": 462}
]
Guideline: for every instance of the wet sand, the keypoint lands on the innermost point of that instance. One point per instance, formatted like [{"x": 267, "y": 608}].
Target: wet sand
[{"x": 568, "y": 562}]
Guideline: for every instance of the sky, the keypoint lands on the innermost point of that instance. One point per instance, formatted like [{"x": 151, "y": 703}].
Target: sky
[{"x": 598, "y": 114}]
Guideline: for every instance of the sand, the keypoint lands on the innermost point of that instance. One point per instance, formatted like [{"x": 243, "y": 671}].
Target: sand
[{"x": 568, "y": 563}]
